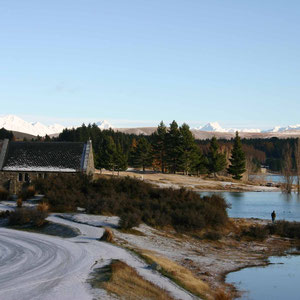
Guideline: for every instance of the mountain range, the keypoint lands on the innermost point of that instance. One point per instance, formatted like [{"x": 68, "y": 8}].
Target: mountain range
[{"x": 15, "y": 123}]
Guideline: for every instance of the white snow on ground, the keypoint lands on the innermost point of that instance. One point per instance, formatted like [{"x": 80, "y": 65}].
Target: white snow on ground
[
  {"x": 11, "y": 205},
  {"x": 36, "y": 266}
]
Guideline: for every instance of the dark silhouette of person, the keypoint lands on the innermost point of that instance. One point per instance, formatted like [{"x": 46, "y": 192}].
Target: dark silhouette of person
[{"x": 273, "y": 215}]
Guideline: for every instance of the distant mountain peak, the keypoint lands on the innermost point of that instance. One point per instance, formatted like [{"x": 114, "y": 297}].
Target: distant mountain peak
[
  {"x": 15, "y": 123},
  {"x": 104, "y": 124},
  {"x": 212, "y": 126}
]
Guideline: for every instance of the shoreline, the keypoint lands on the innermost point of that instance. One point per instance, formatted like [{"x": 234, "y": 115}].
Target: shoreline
[{"x": 194, "y": 183}]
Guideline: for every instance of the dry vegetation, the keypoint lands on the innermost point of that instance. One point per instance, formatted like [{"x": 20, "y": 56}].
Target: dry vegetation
[
  {"x": 179, "y": 274},
  {"x": 120, "y": 279},
  {"x": 200, "y": 260},
  {"x": 134, "y": 201},
  {"x": 202, "y": 183}
]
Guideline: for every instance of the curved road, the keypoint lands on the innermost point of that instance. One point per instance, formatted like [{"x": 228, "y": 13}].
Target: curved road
[
  {"x": 32, "y": 266},
  {"x": 38, "y": 266}
]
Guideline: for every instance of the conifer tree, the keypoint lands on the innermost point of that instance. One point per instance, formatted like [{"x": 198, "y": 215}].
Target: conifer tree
[
  {"x": 159, "y": 145},
  {"x": 216, "y": 160},
  {"x": 142, "y": 155},
  {"x": 173, "y": 147},
  {"x": 107, "y": 155},
  {"x": 187, "y": 149},
  {"x": 200, "y": 162},
  {"x": 120, "y": 159},
  {"x": 238, "y": 160}
]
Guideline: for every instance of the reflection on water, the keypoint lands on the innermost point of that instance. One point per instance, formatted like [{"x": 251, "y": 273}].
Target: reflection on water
[
  {"x": 261, "y": 204},
  {"x": 280, "y": 280},
  {"x": 236, "y": 195}
]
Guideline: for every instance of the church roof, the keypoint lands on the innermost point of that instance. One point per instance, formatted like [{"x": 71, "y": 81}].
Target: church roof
[{"x": 44, "y": 156}]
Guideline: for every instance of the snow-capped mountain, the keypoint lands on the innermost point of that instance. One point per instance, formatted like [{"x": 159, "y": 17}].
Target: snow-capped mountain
[
  {"x": 284, "y": 129},
  {"x": 216, "y": 127},
  {"x": 104, "y": 125},
  {"x": 14, "y": 123},
  {"x": 212, "y": 126}
]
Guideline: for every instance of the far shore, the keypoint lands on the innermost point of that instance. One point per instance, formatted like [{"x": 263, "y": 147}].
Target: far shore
[{"x": 201, "y": 183}]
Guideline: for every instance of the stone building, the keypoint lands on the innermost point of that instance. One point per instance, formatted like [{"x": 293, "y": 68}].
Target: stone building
[{"x": 21, "y": 162}]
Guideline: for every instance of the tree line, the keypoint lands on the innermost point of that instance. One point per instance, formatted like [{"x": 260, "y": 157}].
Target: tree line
[{"x": 169, "y": 150}]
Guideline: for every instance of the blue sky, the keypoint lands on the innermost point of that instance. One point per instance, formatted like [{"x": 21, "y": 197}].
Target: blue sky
[{"x": 137, "y": 62}]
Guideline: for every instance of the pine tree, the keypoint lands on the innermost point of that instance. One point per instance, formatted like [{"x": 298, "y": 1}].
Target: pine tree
[
  {"x": 187, "y": 149},
  {"x": 173, "y": 147},
  {"x": 216, "y": 160},
  {"x": 120, "y": 159},
  {"x": 238, "y": 160},
  {"x": 107, "y": 155},
  {"x": 142, "y": 155},
  {"x": 158, "y": 139},
  {"x": 200, "y": 162}
]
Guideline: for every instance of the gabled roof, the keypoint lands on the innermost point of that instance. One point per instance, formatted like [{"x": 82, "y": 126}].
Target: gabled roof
[{"x": 44, "y": 156}]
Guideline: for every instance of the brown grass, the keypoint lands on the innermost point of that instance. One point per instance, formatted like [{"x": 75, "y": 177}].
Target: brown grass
[
  {"x": 180, "y": 275},
  {"x": 125, "y": 282},
  {"x": 107, "y": 235}
]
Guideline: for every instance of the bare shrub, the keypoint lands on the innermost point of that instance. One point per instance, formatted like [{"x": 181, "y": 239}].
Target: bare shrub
[
  {"x": 27, "y": 216},
  {"x": 19, "y": 203},
  {"x": 129, "y": 220},
  {"x": 287, "y": 170},
  {"x": 256, "y": 232},
  {"x": 107, "y": 236}
]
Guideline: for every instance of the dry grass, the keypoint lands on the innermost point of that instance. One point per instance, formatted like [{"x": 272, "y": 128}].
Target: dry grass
[
  {"x": 180, "y": 275},
  {"x": 125, "y": 282},
  {"x": 107, "y": 235}
]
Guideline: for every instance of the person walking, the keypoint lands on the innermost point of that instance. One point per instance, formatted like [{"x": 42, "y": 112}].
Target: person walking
[{"x": 273, "y": 215}]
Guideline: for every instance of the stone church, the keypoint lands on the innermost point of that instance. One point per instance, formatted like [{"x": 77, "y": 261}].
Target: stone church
[{"x": 22, "y": 162}]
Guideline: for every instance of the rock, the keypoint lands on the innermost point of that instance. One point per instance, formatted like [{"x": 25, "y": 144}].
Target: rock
[{"x": 155, "y": 267}]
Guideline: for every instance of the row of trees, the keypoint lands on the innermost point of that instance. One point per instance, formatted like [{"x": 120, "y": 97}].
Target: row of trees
[{"x": 174, "y": 149}]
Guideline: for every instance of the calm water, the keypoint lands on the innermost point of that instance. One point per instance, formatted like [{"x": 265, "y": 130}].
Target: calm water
[
  {"x": 270, "y": 178},
  {"x": 280, "y": 280},
  {"x": 277, "y": 281},
  {"x": 261, "y": 204}
]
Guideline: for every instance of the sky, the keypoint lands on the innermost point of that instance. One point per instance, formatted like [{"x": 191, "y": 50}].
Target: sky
[{"x": 137, "y": 62}]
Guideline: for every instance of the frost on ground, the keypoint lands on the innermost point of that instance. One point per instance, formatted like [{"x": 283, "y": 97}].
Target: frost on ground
[
  {"x": 208, "y": 260},
  {"x": 36, "y": 266}
]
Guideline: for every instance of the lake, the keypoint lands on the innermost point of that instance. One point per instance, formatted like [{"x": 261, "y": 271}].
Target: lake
[
  {"x": 277, "y": 281},
  {"x": 261, "y": 204},
  {"x": 275, "y": 178},
  {"x": 280, "y": 279}
]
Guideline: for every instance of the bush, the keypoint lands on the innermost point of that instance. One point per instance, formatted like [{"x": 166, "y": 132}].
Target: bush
[
  {"x": 27, "y": 216},
  {"x": 212, "y": 235},
  {"x": 19, "y": 203},
  {"x": 129, "y": 220},
  {"x": 4, "y": 214},
  {"x": 256, "y": 232},
  {"x": 107, "y": 235},
  {"x": 3, "y": 194},
  {"x": 27, "y": 192},
  {"x": 285, "y": 229},
  {"x": 134, "y": 201}
]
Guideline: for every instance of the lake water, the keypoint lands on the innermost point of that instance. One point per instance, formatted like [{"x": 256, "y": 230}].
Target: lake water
[
  {"x": 275, "y": 178},
  {"x": 277, "y": 281},
  {"x": 261, "y": 204},
  {"x": 280, "y": 279}
]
